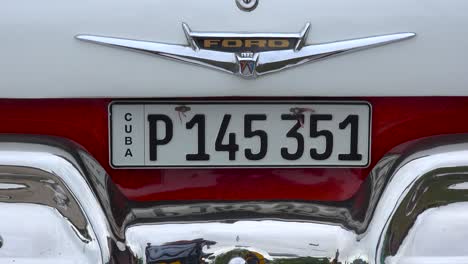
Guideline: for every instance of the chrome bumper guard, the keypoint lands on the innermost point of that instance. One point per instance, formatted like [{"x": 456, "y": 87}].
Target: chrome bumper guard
[{"x": 58, "y": 205}]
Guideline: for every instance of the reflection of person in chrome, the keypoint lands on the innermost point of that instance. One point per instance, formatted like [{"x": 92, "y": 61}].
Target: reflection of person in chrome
[
  {"x": 335, "y": 260},
  {"x": 178, "y": 252}
]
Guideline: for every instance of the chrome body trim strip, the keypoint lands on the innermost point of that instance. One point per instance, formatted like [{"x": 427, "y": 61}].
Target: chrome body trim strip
[{"x": 413, "y": 208}]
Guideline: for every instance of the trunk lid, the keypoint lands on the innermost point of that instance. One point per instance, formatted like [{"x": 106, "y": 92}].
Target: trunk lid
[{"x": 40, "y": 58}]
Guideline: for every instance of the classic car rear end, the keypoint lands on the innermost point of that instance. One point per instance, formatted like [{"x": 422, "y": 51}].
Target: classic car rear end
[{"x": 234, "y": 131}]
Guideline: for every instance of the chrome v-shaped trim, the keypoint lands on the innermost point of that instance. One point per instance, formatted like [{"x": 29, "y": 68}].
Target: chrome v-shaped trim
[{"x": 262, "y": 62}]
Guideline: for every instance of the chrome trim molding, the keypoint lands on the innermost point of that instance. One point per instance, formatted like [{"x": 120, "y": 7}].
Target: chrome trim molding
[
  {"x": 413, "y": 208},
  {"x": 265, "y": 61}
]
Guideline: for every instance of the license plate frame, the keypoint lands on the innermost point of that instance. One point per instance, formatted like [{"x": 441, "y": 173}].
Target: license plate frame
[{"x": 243, "y": 102}]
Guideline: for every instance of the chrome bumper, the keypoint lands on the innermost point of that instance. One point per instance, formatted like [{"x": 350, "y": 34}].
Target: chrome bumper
[{"x": 57, "y": 205}]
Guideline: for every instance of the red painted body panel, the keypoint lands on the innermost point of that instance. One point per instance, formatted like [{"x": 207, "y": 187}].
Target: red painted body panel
[{"x": 85, "y": 121}]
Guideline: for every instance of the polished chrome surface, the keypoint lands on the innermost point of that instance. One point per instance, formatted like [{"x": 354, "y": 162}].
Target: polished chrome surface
[
  {"x": 58, "y": 205},
  {"x": 40, "y": 234},
  {"x": 267, "y": 62},
  {"x": 200, "y": 34},
  {"x": 273, "y": 61},
  {"x": 247, "y": 5},
  {"x": 43, "y": 191}
]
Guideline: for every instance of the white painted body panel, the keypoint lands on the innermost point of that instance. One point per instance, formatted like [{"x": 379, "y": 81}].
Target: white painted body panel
[{"x": 39, "y": 57}]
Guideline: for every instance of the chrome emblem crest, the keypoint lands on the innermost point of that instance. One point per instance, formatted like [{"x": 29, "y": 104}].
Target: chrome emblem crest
[
  {"x": 248, "y": 55},
  {"x": 247, "y": 64}
]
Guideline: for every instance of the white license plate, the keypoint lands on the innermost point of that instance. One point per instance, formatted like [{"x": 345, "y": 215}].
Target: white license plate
[{"x": 240, "y": 134}]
